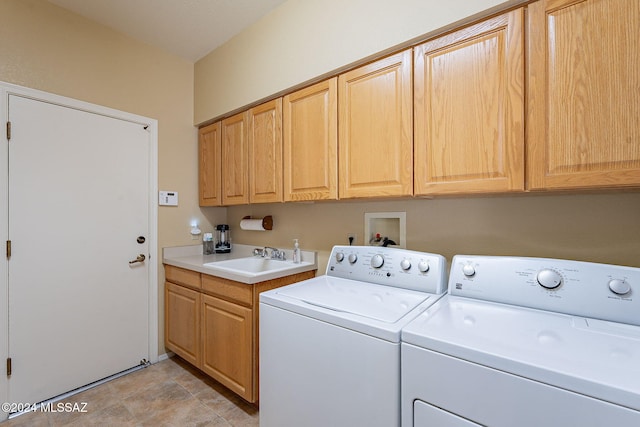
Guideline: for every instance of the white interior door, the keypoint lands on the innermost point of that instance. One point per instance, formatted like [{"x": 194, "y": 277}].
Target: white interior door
[{"x": 78, "y": 201}]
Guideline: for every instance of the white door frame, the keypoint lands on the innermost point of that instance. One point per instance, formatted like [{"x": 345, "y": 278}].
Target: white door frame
[{"x": 7, "y": 89}]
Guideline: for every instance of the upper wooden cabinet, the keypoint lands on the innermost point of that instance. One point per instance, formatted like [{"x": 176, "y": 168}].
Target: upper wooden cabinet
[
  {"x": 375, "y": 154},
  {"x": 469, "y": 109},
  {"x": 209, "y": 164},
  {"x": 584, "y": 86},
  {"x": 311, "y": 142},
  {"x": 265, "y": 152},
  {"x": 235, "y": 162}
]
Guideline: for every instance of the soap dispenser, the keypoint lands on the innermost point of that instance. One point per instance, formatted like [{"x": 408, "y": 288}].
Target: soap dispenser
[{"x": 296, "y": 252}]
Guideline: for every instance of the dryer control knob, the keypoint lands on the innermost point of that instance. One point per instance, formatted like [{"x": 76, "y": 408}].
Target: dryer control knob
[
  {"x": 468, "y": 270},
  {"x": 353, "y": 258},
  {"x": 339, "y": 256},
  {"x": 619, "y": 287},
  {"x": 423, "y": 266},
  {"x": 377, "y": 261},
  {"x": 405, "y": 264},
  {"x": 549, "y": 279}
]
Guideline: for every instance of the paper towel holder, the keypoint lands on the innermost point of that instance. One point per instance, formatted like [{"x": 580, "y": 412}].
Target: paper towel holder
[{"x": 267, "y": 221}]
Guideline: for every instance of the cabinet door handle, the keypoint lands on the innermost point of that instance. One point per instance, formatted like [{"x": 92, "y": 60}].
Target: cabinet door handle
[{"x": 140, "y": 258}]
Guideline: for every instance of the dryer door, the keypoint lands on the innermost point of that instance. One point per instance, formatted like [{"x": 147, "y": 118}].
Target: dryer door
[{"x": 425, "y": 415}]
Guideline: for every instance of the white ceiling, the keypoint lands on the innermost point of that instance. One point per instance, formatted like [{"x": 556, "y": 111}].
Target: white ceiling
[{"x": 188, "y": 28}]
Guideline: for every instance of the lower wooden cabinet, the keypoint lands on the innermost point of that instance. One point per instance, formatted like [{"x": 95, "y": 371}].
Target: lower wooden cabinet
[
  {"x": 213, "y": 324},
  {"x": 182, "y": 321},
  {"x": 227, "y": 344}
]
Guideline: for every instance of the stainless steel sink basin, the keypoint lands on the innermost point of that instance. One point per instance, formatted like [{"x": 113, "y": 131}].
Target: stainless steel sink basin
[{"x": 256, "y": 267}]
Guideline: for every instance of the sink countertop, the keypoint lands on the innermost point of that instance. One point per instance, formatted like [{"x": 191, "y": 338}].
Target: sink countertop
[{"x": 191, "y": 258}]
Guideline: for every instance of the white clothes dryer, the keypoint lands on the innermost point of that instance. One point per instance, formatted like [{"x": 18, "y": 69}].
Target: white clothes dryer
[
  {"x": 330, "y": 346},
  {"x": 526, "y": 342}
]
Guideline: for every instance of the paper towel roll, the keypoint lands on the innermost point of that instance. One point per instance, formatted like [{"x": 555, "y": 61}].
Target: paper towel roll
[
  {"x": 251, "y": 224},
  {"x": 262, "y": 224}
]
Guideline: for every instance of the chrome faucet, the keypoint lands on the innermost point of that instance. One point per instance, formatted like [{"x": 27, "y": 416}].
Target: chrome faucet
[{"x": 264, "y": 253}]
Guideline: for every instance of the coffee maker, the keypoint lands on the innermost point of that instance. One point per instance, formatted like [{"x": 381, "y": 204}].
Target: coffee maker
[{"x": 223, "y": 239}]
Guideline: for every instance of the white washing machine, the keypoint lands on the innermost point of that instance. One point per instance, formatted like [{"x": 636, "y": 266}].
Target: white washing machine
[
  {"x": 330, "y": 346},
  {"x": 526, "y": 342}
]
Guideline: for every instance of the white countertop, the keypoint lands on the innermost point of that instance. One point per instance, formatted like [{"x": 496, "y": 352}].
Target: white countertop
[{"x": 191, "y": 258}]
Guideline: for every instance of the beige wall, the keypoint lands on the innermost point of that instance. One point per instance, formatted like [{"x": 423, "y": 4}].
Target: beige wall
[
  {"x": 588, "y": 227},
  {"x": 304, "y": 39},
  {"x": 45, "y": 47}
]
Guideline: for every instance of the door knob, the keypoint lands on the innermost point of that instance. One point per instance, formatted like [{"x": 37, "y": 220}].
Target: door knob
[{"x": 140, "y": 258}]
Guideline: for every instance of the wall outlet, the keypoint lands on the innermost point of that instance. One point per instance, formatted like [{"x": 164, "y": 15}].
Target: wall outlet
[{"x": 352, "y": 239}]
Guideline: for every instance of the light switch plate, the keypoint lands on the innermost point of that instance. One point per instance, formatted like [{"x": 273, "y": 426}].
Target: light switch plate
[{"x": 168, "y": 198}]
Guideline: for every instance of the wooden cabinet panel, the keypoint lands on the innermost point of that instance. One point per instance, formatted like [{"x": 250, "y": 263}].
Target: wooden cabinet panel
[
  {"x": 311, "y": 142},
  {"x": 182, "y": 276},
  {"x": 235, "y": 152},
  {"x": 584, "y": 86},
  {"x": 210, "y": 165},
  {"x": 227, "y": 344},
  {"x": 228, "y": 289},
  {"x": 182, "y": 322},
  {"x": 376, "y": 129},
  {"x": 469, "y": 109},
  {"x": 265, "y": 152}
]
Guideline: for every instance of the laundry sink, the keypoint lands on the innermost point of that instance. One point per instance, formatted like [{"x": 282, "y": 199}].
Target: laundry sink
[{"x": 256, "y": 268}]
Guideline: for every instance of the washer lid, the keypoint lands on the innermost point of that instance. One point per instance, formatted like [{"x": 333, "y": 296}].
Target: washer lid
[{"x": 382, "y": 303}]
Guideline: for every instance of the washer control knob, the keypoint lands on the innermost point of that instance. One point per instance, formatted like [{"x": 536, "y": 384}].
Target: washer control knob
[
  {"x": 339, "y": 256},
  {"x": 619, "y": 287},
  {"x": 423, "y": 266},
  {"x": 377, "y": 261},
  {"x": 468, "y": 270},
  {"x": 549, "y": 279},
  {"x": 405, "y": 264},
  {"x": 353, "y": 258}
]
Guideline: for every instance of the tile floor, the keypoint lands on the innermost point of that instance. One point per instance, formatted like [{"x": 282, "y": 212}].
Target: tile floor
[{"x": 169, "y": 393}]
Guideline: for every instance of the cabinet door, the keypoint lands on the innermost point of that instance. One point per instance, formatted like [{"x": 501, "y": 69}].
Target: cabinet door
[
  {"x": 227, "y": 345},
  {"x": 469, "y": 109},
  {"x": 584, "y": 86},
  {"x": 235, "y": 151},
  {"x": 209, "y": 165},
  {"x": 265, "y": 152},
  {"x": 182, "y": 322},
  {"x": 311, "y": 142},
  {"x": 376, "y": 129}
]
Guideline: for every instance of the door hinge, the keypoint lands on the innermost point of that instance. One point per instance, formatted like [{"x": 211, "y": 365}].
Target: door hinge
[
  {"x": 8, "y": 366},
  {"x": 8, "y": 131},
  {"x": 8, "y": 249}
]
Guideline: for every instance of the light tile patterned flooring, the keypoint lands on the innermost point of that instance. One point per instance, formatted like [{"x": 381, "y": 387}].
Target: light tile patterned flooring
[{"x": 169, "y": 393}]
